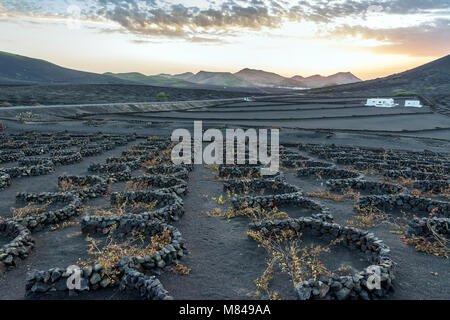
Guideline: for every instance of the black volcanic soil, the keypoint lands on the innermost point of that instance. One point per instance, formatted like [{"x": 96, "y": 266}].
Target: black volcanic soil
[
  {"x": 414, "y": 278},
  {"x": 60, "y": 248},
  {"x": 224, "y": 261},
  {"x": 29, "y": 95},
  {"x": 216, "y": 247}
]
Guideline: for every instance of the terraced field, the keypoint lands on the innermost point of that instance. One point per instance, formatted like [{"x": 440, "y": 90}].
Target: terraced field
[{"x": 359, "y": 210}]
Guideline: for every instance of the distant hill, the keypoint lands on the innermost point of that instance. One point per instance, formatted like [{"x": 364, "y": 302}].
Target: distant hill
[
  {"x": 317, "y": 81},
  {"x": 206, "y": 78},
  {"x": 259, "y": 78},
  {"x": 19, "y": 69},
  {"x": 16, "y": 69},
  {"x": 298, "y": 78},
  {"x": 429, "y": 79},
  {"x": 343, "y": 78},
  {"x": 225, "y": 79},
  {"x": 264, "y": 78},
  {"x": 159, "y": 80},
  {"x": 183, "y": 76},
  {"x": 288, "y": 82},
  {"x": 247, "y": 78}
]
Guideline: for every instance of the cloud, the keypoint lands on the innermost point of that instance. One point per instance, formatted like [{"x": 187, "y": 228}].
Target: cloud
[
  {"x": 146, "y": 18},
  {"x": 328, "y": 11},
  {"x": 214, "y": 21},
  {"x": 415, "y": 6},
  {"x": 161, "y": 18},
  {"x": 146, "y": 41},
  {"x": 206, "y": 40},
  {"x": 426, "y": 39}
]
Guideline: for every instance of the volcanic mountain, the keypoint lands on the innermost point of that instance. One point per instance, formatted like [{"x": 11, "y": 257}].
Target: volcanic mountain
[
  {"x": 19, "y": 69},
  {"x": 226, "y": 79},
  {"x": 160, "y": 80},
  {"x": 317, "y": 81},
  {"x": 429, "y": 79},
  {"x": 263, "y": 78}
]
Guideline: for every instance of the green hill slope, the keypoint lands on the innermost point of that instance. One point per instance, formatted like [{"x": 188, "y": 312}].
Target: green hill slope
[
  {"x": 19, "y": 69},
  {"x": 152, "y": 80}
]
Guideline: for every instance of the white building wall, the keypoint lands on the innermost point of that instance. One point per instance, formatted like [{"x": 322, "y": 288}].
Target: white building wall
[
  {"x": 380, "y": 102},
  {"x": 413, "y": 103}
]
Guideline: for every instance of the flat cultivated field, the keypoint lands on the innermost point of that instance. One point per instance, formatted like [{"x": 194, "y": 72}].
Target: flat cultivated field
[{"x": 359, "y": 210}]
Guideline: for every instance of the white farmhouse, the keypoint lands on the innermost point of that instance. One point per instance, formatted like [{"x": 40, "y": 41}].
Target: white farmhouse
[
  {"x": 379, "y": 102},
  {"x": 413, "y": 103}
]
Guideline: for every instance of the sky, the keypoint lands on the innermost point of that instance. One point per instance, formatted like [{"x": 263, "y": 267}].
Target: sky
[{"x": 300, "y": 37}]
